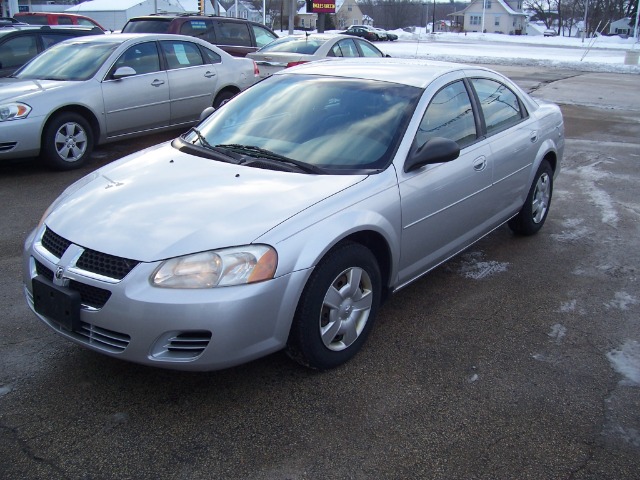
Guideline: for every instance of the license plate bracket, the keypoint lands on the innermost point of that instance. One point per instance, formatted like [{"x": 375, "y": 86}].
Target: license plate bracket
[{"x": 58, "y": 304}]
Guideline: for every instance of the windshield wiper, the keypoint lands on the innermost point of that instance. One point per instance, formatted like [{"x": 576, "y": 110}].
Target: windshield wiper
[
  {"x": 257, "y": 152},
  {"x": 228, "y": 156}
]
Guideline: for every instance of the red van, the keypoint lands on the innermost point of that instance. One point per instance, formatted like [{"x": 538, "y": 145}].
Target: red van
[{"x": 49, "y": 18}]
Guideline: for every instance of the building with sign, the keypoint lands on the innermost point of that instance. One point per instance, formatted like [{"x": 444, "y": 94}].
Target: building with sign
[{"x": 347, "y": 13}]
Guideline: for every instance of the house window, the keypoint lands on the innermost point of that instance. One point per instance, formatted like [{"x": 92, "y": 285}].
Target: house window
[
  {"x": 497, "y": 21},
  {"x": 302, "y": 22},
  {"x": 349, "y": 7},
  {"x": 475, "y": 20},
  {"x": 244, "y": 14},
  {"x": 487, "y": 4}
]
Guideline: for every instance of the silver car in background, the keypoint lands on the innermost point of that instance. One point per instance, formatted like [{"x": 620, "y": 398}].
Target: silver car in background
[
  {"x": 97, "y": 89},
  {"x": 294, "y": 50},
  {"x": 286, "y": 217}
]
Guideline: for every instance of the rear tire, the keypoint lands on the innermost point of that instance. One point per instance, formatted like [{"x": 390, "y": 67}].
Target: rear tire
[
  {"x": 337, "y": 308},
  {"x": 222, "y": 98},
  {"x": 67, "y": 141},
  {"x": 536, "y": 207}
]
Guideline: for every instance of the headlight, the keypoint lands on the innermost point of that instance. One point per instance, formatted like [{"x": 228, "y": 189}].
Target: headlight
[
  {"x": 14, "y": 111},
  {"x": 218, "y": 268}
]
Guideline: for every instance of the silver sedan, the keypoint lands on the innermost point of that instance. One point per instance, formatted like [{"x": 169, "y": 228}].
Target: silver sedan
[
  {"x": 288, "y": 215},
  {"x": 297, "y": 49},
  {"x": 96, "y": 89}
]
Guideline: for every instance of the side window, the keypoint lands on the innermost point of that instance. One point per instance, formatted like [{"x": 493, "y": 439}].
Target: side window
[
  {"x": 211, "y": 56},
  {"x": 65, "y": 21},
  {"x": 368, "y": 50},
  {"x": 15, "y": 52},
  {"x": 232, "y": 33},
  {"x": 49, "y": 39},
  {"x": 449, "y": 115},
  {"x": 500, "y": 105},
  {"x": 181, "y": 54},
  {"x": 143, "y": 58},
  {"x": 263, "y": 36},
  {"x": 200, "y": 29},
  {"x": 346, "y": 48},
  {"x": 86, "y": 23}
]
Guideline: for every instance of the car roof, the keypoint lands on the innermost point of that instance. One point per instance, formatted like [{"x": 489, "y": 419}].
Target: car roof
[
  {"x": 413, "y": 72},
  {"x": 124, "y": 37},
  {"x": 4, "y": 30}
]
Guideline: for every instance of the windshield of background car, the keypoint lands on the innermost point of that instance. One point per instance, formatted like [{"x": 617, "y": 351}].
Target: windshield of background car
[
  {"x": 146, "y": 26},
  {"x": 70, "y": 60},
  {"x": 306, "y": 46},
  {"x": 338, "y": 124}
]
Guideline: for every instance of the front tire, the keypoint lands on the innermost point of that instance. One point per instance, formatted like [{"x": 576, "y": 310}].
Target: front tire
[
  {"x": 67, "y": 142},
  {"x": 337, "y": 308},
  {"x": 536, "y": 207}
]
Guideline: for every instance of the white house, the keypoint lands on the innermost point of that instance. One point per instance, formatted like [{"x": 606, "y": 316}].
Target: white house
[
  {"x": 246, "y": 10},
  {"x": 495, "y": 16},
  {"x": 113, "y": 14},
  {"x": 624, "y": 26}
]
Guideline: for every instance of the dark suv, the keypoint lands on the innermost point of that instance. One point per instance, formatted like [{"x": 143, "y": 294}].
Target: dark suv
[
  {"x": 233, "y": 35},
  {"x": 20, "y": 43}
]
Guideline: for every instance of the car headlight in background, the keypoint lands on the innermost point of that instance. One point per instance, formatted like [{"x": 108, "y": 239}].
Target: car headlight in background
[
  {"x": 218, "y": 268},
  {"x": 14, "y": 111}
]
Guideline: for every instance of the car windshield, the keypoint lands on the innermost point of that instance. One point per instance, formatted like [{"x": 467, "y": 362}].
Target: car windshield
[
  {"x": 304, "y": 45},
  {"x": 337, "y": 124},
  {"x": 146, "y": 26},
  {"x": 69, "y": 60}
]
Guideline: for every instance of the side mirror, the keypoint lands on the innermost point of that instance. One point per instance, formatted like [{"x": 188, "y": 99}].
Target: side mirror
[
  {"x": 436, "y": 150},
  {"x": 206, "y": 112},
  {"x": 123, "y": 72}
]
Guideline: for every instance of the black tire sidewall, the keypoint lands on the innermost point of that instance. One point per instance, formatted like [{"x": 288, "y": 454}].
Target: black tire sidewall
[
  {"x": 222, "y": 98},
  {"x": 49, "y": 154},
  {"x": 523, "y": 223},
  {"x": 305, "y": 344}
]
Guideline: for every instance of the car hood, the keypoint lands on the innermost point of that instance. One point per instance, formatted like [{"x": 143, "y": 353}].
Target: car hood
[
  {"x": 162, "y": 203},
  {"x": 12, "y": 89}
]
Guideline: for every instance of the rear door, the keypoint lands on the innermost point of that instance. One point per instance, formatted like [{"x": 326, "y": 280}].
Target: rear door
[
  {"x": 139, "y": 102},
  {"x": 234, "y": 37},
  {"x": 192, "y": 79}
]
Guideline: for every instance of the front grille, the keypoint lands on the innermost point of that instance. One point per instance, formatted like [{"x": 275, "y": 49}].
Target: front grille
[
  {"x": 103, "y": 338},
  {"x": 89, "y": 296},
  {"x": 105, "y": 264},
  {"x": 44, "y": 271},
  {"x": 54, "y": 243},
  {"x": 92, "y": 261}
]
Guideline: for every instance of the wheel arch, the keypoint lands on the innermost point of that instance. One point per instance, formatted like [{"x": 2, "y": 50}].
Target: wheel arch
[
  {"x": 232, "y": 89},
  {"x": 85, "y": 112}
]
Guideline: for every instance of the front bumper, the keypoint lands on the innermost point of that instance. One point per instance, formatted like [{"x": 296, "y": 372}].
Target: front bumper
[
  {"x": 184, "y": 329},
  {"x": 20, "y": 138}
]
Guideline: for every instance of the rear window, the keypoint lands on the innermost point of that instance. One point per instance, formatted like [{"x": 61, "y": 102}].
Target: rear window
[
  {"x": 146, "y": 26},
  {"x": 34, "y": 19},
  {"x": 307, "y": 46}
]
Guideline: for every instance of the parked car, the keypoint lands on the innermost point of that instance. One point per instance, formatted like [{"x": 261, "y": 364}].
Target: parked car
[
  {"x": 19, "y": 43},
  {"x": 233, "y": 35},
  {"x": 392, "y": 37},
  {"x": 57, "y": 18},
  {"x": 296, "y": 49},
  {"x": 363, "y": 31},
  {"x": 287, "y": 216},
  {"x": 97, "y": 89},
  {"x": 382, "y": 34},
  {"x": 550, "y": 32},
  {"x": 9, "y": 21}
]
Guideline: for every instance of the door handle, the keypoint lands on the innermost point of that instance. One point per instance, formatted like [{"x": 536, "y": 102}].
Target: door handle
[
  {"x": 157, "y": 83},
  {"x": 534, "y": 136},
  {"x": 209, "y": 74},
  {"x": 480, "y": 163}
]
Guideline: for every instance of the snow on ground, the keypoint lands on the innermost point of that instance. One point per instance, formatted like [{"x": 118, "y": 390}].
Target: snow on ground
[{"x": 600, "y": 54}]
